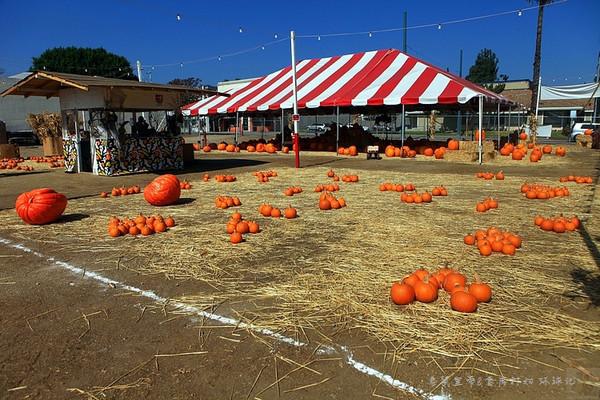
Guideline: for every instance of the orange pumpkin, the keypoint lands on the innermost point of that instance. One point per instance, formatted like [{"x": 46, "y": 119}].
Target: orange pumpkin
[
  {"x": 453, "y": 144},
  {"x": 402, "y": 293},
  {"x": 163, "y": 191},
  {"x": 40, "y": 206},
  {"x": 463, "y": 302}
]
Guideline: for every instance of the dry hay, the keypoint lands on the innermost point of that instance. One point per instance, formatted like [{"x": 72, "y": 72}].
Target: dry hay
[{"x": 326, "y": 275}]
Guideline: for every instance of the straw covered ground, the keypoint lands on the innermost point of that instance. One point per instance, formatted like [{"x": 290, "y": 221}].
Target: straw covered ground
[{"x": 325, "y": 276}]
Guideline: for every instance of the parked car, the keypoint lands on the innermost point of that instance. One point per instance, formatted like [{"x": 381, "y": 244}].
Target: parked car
[
  {"x": 580, "y": 127},
  {"x": 317, "y": 128},
  {"x": 23, "y": 139}
]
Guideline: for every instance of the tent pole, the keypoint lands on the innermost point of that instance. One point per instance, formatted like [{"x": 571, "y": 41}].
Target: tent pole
[
  {"x": 479, "y": 143},
  {"x": 282, "y": 130},
  {"x": 337, "y": 130},
  {"x": 509, "y": 111},
  {"x": 237, "y": 126},
  {"x": 295, "y": 98},
  {"x": 498, "y": 125},
  {"x": 403, "y": 125}
]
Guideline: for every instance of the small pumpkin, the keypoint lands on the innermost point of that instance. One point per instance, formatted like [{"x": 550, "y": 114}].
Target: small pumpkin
[
  {"x": 481, "y": 291},
  {"x": 40, "y": 206},
  {"x": 290, "y": 212},
  {"x": 425, "y": 291},
  {"x": 402, "y": 293},
  {"x": 463, "y": 302}
]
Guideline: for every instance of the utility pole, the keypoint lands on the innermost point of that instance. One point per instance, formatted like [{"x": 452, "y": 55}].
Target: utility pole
[
  {"x": 405, "y": 31},
  {"x": 597, "y": 80},
  {"x": 139, "y": 70}
]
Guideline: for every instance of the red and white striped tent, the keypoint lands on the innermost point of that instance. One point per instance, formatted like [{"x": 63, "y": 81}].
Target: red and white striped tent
[{"x": 374, "y": 78}]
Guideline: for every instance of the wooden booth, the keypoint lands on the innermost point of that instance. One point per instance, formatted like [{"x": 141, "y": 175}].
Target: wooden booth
[{"x": 111, "y": 126}]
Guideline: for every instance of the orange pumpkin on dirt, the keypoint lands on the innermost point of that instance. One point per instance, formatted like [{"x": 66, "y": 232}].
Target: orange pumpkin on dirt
[
  {"x": 163, "y": 191},
  {"x": 40, "y": 206}
]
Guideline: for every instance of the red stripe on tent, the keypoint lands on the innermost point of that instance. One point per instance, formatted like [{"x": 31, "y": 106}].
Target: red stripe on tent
[
  {"x": 375, "y": 67},
  {"x": 450, "y": 94},
  {"x": 389, "y": 86},
  {"x": 284, "y": 85},
  {"x": 330, "y": 80},
  {"x": 318, "y": 72},
  {"x": 413, "y": 94},
  {"x": 243, "y": 99},
  {"x": 213, "y": 110}
]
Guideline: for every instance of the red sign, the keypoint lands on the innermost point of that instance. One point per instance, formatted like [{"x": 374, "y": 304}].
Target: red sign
[{"x": 295, "y": 117}]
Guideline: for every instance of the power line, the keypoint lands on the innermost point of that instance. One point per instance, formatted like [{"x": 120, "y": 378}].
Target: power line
[{"x": 519, "y": 12}]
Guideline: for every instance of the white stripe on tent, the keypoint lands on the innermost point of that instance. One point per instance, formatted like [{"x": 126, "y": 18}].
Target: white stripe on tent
[
  {"x": 342, "y": 80},
  {"x": 223, "y": 109},
  {"x": 203, "y": 110},
  {"x": 300, "y": 79},
  {"x": 434, "y": 90},
  {"x": 310, "y": 86},
  {"x": 271, "y": 87},
  {"x": 466, "y": 94},
  {"x": 363, "y": 97},
  {"x": 395, "y": 97}
]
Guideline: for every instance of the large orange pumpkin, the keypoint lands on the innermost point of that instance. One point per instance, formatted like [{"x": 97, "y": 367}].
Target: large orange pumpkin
[
  {"x": 40, "y": 206},
  {"x": 163, "y": 191},
  {"x": 453, "y": 144}
]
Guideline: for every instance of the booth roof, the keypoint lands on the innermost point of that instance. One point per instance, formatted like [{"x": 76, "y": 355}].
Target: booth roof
[
  {"x": 48, "y": 84},
  {"x": 373, "y": 78}
]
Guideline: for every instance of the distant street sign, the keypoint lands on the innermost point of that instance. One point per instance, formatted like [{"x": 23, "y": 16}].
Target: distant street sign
[{"x": 296, "y": 117}]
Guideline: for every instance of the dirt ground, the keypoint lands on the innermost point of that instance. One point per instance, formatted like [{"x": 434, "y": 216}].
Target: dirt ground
[{"x": 63, "y": 335}]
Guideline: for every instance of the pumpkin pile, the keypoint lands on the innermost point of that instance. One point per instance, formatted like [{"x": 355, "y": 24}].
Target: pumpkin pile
[
  {"x": 140, "y": 225},
  {"x": 327, "y": 201},
  {"x": 225, "y": 178},
  {"x": 558, "y": 224},
  {"x": 439, "y": 191},
  {"x": 334, "y": 187},
  {"x": 424, "y": 287},
  {"x": 576, "y": 179},
  {"x": 292, "y": 190},
  {"x": 494, "y": 240},
  {"x": 237, "y": 226},
  {"x": 262, "y": 148},
  {"x": 404, "y": 152},
  {"x": 348, "y": 151},
  {"x": 398, "y": 187},
  {"x": 533, "y": 191},
  {"x": 416, "y": 198},
  {"x": 121, "y": 191},
  {"x": 40, "y": 206},
  {"x": 487, "y": 204},
  {"x": 490, "y": 175},
  {"x": 350, "y": 178},
  {"x": 224, "y": 202},
  {"x": 263, "y": 176},
  {"x": 163, "y": 190},
  {"x": 185, "y": 185},
  {"x": 13, "y": 163},
  {"x": 52, "y": 161},
  {"x": 267, "y": 210}
]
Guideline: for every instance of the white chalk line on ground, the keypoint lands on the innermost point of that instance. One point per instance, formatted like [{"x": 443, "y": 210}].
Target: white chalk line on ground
[{"x": 341, "y": 350}]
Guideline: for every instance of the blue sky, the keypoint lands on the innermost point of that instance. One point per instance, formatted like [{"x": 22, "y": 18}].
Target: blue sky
[{"x": 148, "y": 30}]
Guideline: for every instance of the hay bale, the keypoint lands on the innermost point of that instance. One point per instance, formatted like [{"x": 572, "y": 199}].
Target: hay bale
[
  {"x": 583, "y": 140},
  {"x": 9, "y": 151},
  {"x": 473, "y": 145},
  {"x": 53, "y": 146},
  {"x": 469, "y": 156}
]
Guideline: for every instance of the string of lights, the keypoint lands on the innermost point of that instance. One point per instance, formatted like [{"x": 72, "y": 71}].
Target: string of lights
[{"x": 519, "y": 12}]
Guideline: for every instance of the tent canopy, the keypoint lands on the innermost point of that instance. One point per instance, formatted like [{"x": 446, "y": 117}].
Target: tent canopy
[
  {"x": 571, "y": 92},
  {"x": 374, "y": 78}
]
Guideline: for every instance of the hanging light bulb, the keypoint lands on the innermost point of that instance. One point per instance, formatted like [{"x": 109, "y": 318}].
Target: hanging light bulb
[
  {"x": 262, "y": 47},
  {"x": 370, "y": 34},
  {"x": 318, "y": 37},
  {"x": 219, "y": 58},
  {"x": 439, "y": 26},
  {"x": 178, "y": 17},
  {"x": 181, "y": 65},
  {"x": 276, "y": 36},
  {"x": 85, "y": 69},
  {"x": 519, "y": 13},
  {"x": 241, "y": 30}
]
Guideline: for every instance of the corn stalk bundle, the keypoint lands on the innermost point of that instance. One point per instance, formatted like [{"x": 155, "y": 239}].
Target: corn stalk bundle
[{"x": 45, "y": 125}]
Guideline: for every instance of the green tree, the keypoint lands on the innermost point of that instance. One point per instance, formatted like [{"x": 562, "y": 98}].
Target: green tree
[
  {"x": 537, "y": 57},
  {"x": 83, "y": 61},
  {"x": 188, "y": 82},
  {"x": 485, "y": 71}
]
